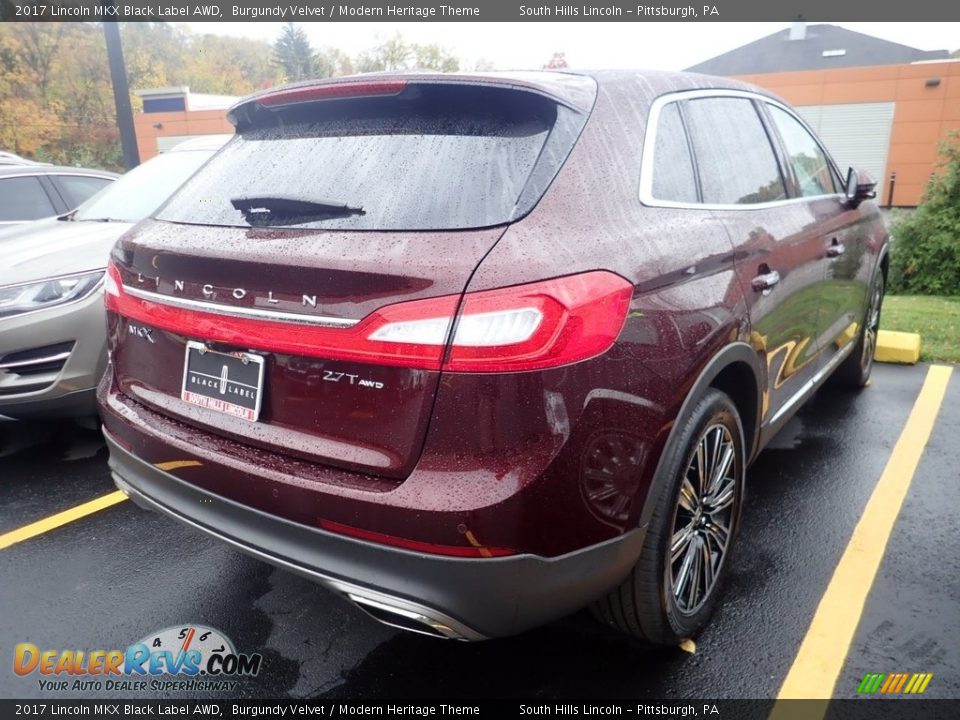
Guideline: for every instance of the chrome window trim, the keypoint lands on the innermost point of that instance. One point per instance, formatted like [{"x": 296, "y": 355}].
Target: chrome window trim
[
  {"x": 650, "y": 140},
  {"x": 243, "y": 312}
]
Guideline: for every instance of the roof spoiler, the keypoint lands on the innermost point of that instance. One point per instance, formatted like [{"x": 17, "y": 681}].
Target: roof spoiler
[{"x": 576, "y": 92}]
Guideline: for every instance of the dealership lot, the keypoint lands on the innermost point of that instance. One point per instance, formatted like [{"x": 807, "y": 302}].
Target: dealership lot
[{"x": 108, "y": 578}]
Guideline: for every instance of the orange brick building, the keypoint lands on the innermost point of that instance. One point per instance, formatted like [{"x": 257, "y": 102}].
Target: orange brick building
[{"x": 173, "y": 114}]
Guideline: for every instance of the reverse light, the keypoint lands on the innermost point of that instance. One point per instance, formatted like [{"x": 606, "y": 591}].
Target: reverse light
[
  {"x": 524, "y": 327},
  {"x": 479, "y": 330}
]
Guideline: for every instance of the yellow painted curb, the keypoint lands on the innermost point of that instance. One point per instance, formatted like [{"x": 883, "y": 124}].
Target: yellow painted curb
[{"x": 897, "y": 347}]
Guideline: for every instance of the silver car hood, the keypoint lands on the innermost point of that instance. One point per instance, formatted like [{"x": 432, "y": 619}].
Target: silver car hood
[{"x": 48, "y": 248}]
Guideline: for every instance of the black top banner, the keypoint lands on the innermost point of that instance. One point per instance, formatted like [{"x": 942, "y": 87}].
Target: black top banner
[
  {"x": 409, "y": 709},
  {"x": 477, "y": 10}
]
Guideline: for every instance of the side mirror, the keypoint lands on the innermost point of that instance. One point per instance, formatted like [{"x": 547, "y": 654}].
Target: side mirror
[{"x": 859, "y": 187}]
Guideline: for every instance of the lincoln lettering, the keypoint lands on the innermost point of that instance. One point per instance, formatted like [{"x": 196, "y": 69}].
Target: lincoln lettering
[{"x": 212, "y": 292}]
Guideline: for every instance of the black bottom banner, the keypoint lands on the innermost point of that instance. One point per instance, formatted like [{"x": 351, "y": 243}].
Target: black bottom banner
[{"x": 865, "y": 709}]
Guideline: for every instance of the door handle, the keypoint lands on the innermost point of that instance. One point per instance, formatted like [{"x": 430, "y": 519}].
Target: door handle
[
  {"x": 766, "y": 281},
  {"x": 836, "y": 248}
]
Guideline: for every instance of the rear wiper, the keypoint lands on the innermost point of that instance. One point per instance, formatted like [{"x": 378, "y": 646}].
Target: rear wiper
[{"x": 276, "y": 208}]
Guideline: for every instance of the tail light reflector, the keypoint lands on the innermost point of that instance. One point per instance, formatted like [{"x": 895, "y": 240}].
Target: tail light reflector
[{"x": 467, "y": 551}]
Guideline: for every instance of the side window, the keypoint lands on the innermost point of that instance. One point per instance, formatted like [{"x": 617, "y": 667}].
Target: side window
[
  {"x": 77, "y": 188},
  {"x": 734, "y": 156},
  {"x": 810, "y": 165},
  {"x": 23, "y": 198},
  {"x": 673, "y": 175}
]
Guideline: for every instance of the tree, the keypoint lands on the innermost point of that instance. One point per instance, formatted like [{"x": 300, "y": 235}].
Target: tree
[
  {"x": 483, "y": 65},
  {"x": 293, "y": 54},
  {"x": 39, "y": 47},
  {"x": 557, "y": 62},
  {"x": 395, "y": 54},
  {"x": 333, "y": 62},
  {"x": 926, "y": 247}
]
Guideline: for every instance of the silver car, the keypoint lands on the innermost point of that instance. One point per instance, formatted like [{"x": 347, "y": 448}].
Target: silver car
[
  {"x": 32, "y": 191},
  {"x": 52, "y": 331}
]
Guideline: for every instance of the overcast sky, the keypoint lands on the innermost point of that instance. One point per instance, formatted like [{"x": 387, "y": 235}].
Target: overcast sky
[{"x": 588, "y": 45}]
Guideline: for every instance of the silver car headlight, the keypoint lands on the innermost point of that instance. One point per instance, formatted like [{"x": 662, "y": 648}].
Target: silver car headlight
[{"x": 42, "y": 294}]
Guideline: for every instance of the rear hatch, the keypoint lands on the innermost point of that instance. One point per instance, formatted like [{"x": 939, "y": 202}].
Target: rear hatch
[{"x": 338, "y": 213}]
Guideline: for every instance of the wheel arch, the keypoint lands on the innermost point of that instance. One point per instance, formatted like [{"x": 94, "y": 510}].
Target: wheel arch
[{"x": 735, "y": 370}]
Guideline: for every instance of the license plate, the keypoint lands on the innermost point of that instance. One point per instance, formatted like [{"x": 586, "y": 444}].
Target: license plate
[{"x": 231, "y": 383}]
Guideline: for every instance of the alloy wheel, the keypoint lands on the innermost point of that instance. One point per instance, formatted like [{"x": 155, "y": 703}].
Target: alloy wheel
[
  {"x": 703, "y": 519},
  {"x": 871, "y": 329}
]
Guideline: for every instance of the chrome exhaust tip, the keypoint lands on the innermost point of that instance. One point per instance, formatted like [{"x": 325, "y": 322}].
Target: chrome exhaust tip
[{"x": 405, "y": 616}]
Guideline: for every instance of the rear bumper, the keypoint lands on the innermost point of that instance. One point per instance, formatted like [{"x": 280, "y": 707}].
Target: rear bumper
[{"x": 466, "y": 599}]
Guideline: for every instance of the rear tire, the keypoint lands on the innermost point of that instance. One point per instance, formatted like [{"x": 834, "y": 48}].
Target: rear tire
[
  {"x": 672, "y": 590},
  {"x": 854, "y": 372}
]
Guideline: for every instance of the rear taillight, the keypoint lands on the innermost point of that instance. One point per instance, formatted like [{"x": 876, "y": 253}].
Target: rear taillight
[{"x": 523, "y": 327}]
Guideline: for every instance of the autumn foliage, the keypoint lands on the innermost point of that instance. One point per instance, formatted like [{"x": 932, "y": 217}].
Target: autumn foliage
[{"x": 56, "y": 100}]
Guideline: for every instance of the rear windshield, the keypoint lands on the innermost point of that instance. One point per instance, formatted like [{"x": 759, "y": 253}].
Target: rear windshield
[{"x": 430, "y": 158}]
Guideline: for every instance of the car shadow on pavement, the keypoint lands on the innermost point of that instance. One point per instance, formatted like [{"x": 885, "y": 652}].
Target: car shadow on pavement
[{"x": 575, "y": 657}]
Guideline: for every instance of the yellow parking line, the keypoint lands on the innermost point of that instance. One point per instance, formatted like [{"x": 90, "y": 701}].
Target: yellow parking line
[
  {"x": 824, "y": 649},
  {"x": 61, "y": 518}
]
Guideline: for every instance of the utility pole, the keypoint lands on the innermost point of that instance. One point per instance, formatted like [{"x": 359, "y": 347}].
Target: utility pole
[{"x": 121, "y": 95}]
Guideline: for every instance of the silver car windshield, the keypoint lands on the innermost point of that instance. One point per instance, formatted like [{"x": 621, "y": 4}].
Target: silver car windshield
[{"x": 141, "y": 191}]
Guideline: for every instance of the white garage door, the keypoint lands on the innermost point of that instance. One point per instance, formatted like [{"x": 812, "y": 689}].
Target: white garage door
[
  {"x": 856, "y": 134},
  {"x": 168, "y": 142}
]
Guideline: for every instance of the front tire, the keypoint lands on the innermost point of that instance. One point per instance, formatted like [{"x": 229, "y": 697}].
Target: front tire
[
  {"x": 673, "y": 589},
  {"x": 854, "y": 372}
]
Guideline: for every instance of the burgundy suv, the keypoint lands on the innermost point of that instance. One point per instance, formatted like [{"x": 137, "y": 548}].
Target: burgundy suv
[{"x": 476, "y": 351}]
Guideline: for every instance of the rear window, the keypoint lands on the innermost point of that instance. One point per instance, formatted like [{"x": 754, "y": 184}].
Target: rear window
[{"x": 432, "y": 157}]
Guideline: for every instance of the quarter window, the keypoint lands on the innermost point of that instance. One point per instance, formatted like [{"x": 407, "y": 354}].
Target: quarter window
[
  {"x": 673, "y": 175},
  {"x": 734, "y": 157},
  {"x": 809, "y": 163}
]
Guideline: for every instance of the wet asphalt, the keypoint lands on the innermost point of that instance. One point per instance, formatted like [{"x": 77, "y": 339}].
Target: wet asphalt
[{"x": 111, "y": 578}]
